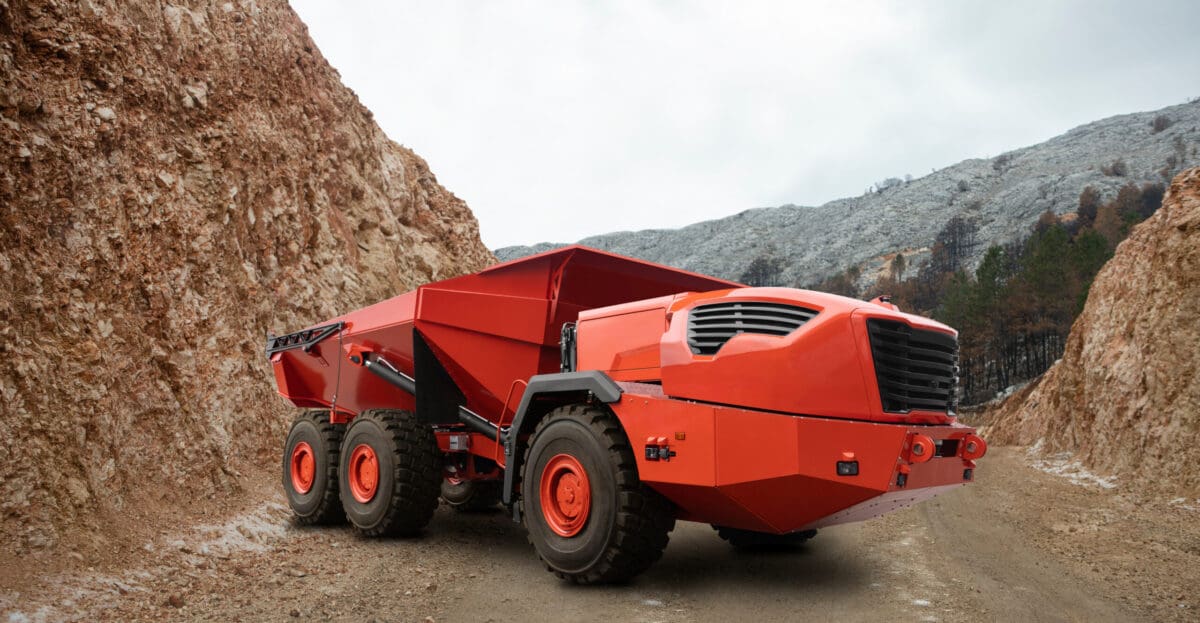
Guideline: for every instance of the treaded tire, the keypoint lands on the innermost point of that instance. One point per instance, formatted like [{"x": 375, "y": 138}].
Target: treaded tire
[
  {"x": 320, "y": 504},
  {"x": 762, "y": 541},
  {"x": 471, "y": 496},
  {"x": 627, "y": 526},
  {"x": 409, "y": 470}
]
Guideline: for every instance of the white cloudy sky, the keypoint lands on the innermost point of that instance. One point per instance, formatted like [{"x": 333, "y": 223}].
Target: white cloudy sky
[{"x": 557, "y": 120}]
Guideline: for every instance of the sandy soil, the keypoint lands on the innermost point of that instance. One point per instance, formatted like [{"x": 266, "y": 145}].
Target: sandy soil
[{"x": 1021, "y": 544}]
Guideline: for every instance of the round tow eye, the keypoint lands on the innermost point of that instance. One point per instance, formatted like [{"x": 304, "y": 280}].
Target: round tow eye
[
  {"x": 972, "y": 447},
  {"x": 922, "y": 449}
]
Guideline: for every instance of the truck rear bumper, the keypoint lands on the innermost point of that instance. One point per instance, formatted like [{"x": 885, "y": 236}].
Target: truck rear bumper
[{"x": 779, "y": 473}]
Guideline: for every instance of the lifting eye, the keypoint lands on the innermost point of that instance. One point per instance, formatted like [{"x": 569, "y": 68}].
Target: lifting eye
[
  {"x": 972, "y": 447},
  {"x": 921, "y": 449}
]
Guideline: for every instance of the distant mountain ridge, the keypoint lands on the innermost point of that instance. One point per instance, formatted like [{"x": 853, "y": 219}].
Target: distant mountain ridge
[{"x": 1004, "y": 195}]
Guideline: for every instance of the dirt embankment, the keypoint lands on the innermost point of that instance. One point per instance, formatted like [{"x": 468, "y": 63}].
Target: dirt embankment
[
  {"x": 1125, "y": 398},
  {"x": 176, "y": 181}
]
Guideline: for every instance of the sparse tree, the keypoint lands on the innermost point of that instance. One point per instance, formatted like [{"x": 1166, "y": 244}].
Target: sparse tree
[
  {"x": 764, "y": 270},
  {"x": 1152, "y": 198},
  {"x": 1109, "y": 225},
  {"x": 955, "y": 243},
  {"x": 898, "y": 267},
  {"x": 1089, "y": 205},
  {"x": 888, "y": 183}
]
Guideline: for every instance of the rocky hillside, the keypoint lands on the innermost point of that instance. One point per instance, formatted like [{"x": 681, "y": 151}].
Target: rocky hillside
[
  {"x": 1004, "y": 195},
  {"x": 178, "y": 179},
  {"x": 1125, "y": 397}
]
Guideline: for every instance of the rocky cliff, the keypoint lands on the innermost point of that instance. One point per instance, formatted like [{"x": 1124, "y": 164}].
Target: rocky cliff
[
  {"x": 178, "y": 179},
  {"x": 1125, "y": 397},
  {"x": 1003, "y": 195}
]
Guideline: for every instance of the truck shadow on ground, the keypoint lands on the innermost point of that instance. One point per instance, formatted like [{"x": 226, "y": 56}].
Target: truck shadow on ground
[{"x": 695, "y": 557}]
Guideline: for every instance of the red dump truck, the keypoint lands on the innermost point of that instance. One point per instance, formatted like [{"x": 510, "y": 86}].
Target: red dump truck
[{"x": 602, "y": 398}]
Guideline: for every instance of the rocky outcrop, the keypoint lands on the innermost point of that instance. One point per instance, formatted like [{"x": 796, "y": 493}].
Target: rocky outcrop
[
  {"x": 1003, "y": 195},
  {"x": 178, "y": 179},
  {"x": 1125, "y": 397}
]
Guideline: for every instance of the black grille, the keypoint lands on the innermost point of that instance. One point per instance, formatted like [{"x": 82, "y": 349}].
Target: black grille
[
  {"x": 916, "y": 369},
  {"x": 710, "y": 326}
]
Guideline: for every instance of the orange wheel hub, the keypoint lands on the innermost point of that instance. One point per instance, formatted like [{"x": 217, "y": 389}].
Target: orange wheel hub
[
  {"x": 566, "y": 495},
  {"x": 363, "y": 473},
  {"x": 304, "y": 468}
]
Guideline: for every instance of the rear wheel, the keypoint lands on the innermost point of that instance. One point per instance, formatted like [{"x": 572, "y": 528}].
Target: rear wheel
[
  {"x": 469, "y": 496},
  {"x": 310, "y": 459},
  {"x": 751, "y": 540},
  {"x": 587, "y": 514},
  {"x": 389, "y": 473}
]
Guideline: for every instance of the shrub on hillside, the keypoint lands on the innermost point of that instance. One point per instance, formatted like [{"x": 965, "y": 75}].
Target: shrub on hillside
[
  {"x": 1118, "y": 168},
  {"x": 1089, "y": 205}
]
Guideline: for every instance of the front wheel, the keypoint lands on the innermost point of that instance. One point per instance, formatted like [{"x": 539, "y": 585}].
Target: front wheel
[{"x": 587, "y": 514}]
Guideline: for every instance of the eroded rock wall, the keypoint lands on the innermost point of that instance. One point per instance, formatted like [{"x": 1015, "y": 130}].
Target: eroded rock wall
[
  {"x": 1125, "y": 398},
  {"x": 176, "y": 180}
]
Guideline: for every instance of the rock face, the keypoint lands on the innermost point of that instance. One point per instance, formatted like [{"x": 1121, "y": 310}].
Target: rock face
[
  {"x": 1003, "y": 195},
  {"x": 1125, "y": 398},
  {"x": 177, "y": 180}
]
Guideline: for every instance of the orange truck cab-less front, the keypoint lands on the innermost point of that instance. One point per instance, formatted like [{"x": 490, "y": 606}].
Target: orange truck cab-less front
[{"x": 602, "y": 398}]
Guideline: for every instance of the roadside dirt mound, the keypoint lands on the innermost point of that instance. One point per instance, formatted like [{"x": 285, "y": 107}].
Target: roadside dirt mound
[
  {"x": 1125, "y": 398},
  {"x": 177, "y": 180}
]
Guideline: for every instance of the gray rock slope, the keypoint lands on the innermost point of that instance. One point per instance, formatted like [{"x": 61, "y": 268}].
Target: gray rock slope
[{"x": 1004, "y": 195}]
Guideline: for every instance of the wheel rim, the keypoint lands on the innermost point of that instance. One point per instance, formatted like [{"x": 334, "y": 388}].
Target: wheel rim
[
  {"x": 363, "y": 473},
  {"x": 566, "y": 495},
  {"x": 303, "y": 467}
]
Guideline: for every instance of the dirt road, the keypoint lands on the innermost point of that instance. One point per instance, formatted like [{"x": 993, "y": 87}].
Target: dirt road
[{"x": 1021, "y": 544}]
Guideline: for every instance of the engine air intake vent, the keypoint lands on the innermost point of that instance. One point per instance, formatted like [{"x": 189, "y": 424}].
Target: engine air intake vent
[
  {"x": 916, "y": 369},
  {"x": 710, "y": 326}
]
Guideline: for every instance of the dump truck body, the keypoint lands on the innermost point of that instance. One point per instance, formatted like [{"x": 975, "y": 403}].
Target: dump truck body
[{"x": 765, "y": 410}]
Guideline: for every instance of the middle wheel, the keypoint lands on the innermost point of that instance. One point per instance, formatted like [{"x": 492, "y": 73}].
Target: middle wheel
[
  {"x": 389, "y": 473},
  {"x": 588, "y": 516}
]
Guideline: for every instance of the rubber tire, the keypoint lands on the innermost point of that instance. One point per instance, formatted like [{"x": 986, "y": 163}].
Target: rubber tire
[
  {"x": 628, "y": 525},
  {"x": 763, "y": 541},
  {"x": 320, "y": 505},
  {"x": 471, "y": 496},
  {"x": 409, "y": 472}
]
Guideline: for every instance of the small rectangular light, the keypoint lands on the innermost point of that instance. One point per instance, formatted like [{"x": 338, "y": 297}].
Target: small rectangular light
[
  {"x": 847, "y": 468},
  {"x": 967, "y": 473}
]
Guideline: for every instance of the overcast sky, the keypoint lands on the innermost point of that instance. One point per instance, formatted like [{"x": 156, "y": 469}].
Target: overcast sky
[{"x": 557, "y": 120}]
